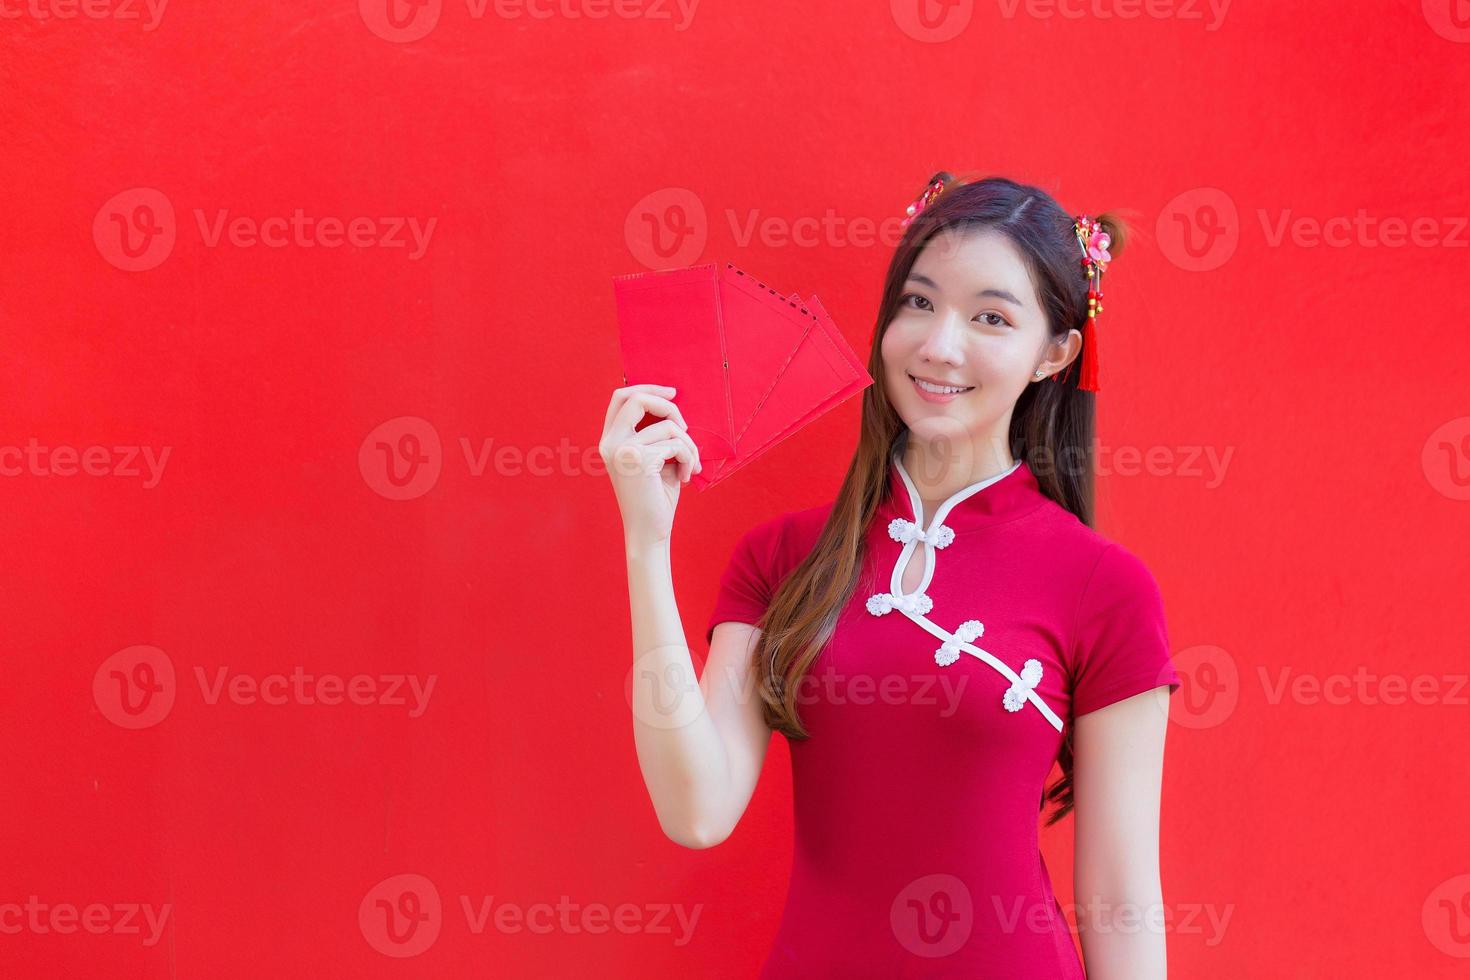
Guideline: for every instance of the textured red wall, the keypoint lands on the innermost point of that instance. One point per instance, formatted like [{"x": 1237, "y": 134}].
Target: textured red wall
[{"x": 253, "y": 253}]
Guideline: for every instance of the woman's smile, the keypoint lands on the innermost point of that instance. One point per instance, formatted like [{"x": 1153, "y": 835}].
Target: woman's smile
[{"x": 933, "y": 391}]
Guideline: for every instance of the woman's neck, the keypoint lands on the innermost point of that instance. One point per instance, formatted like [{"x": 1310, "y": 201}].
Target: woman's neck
[{"x": 939, "y": 473}]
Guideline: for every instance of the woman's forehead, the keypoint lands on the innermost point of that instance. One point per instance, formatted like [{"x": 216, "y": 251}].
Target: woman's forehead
[{"x": 972, "y": 263}]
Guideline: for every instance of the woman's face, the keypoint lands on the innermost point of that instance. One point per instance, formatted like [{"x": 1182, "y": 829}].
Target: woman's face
[{"x": 969, "y": 318}]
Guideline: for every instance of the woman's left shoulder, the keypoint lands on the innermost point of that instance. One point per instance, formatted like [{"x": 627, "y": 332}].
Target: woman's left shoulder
[
  {"x": 1092, "y": 554},
  {"x": 1121, "y": 645}
]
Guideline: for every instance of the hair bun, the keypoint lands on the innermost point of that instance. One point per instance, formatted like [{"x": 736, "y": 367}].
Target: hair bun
[{"x": 1117, "y": 230}]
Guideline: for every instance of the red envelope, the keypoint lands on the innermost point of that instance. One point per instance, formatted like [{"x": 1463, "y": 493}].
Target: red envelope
[
  {"x": 821, "y": 373},
  {"x": 670, "y": 333},
  {"x": 751, "y": 366}
]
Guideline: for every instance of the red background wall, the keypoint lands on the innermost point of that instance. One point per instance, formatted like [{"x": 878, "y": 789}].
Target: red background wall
[{"x": 1325, "y": 830}]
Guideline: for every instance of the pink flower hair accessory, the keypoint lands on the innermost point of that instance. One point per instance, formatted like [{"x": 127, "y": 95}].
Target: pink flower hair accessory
[{"x": 922, "y": 201}]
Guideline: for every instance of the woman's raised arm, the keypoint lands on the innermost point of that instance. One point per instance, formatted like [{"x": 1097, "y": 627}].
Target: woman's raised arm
[{"x": 700, "y": 744}]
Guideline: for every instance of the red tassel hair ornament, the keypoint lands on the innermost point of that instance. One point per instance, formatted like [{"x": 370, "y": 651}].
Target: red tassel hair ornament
[{"x": 1095, "y": 258}]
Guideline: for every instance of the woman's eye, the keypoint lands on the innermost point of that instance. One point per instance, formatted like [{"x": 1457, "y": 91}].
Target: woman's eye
[{"x": 904, "y": 301}]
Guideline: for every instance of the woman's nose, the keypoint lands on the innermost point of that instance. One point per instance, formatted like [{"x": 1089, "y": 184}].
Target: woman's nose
[{"x": 941, "y": 343}]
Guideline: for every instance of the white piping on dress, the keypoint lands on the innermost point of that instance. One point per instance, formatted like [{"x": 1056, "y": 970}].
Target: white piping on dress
[
  {"x": 917, "y": 505},
  {"x": 938, "y": 536},
  {"x": 1017, "y": 682}
]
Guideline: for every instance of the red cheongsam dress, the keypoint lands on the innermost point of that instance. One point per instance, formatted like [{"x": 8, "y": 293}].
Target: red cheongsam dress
[{"x": 935, "y": 718}]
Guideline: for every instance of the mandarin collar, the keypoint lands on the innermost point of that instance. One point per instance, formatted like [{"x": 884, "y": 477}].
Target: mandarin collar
[{"x": 1002, "y": 497}]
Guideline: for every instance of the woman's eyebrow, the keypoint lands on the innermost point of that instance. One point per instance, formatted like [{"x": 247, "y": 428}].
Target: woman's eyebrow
[{"x": 924, "y": 280}]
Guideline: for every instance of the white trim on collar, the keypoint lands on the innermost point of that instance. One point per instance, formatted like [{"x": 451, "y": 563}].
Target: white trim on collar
[
  {"x": 916, "y": 605},
  {"x": 953, "y": 499},
  {"x": 916, "y": 506}
]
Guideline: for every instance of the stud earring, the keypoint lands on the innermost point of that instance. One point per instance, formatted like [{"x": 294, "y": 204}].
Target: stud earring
[{"x": 1038, "y": 373}]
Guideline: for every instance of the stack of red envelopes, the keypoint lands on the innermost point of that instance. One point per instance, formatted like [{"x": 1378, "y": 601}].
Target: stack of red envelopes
[{"x": 750, "y": 366}]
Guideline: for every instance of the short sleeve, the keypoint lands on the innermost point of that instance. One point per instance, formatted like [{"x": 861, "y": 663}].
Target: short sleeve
[
  {"x": 1122, "y": 643},
  {"x": 746, "y": 584}
]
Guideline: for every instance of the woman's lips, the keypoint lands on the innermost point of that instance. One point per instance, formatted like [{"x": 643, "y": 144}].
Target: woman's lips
[{"x": 934, "y": 396}]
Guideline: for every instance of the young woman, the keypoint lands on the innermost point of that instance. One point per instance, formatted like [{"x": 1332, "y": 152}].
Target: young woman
[{"x": 934, "y": 640}]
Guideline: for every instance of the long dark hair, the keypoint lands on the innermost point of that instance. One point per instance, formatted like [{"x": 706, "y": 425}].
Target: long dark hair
[{"x": 1051, "y": 429}]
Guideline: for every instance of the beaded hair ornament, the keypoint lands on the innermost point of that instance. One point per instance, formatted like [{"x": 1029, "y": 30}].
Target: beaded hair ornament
[{"x": 1093, "y": 241}]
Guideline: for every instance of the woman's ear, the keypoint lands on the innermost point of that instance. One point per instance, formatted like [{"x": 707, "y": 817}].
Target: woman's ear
[{"x": 1059, "y": 353}]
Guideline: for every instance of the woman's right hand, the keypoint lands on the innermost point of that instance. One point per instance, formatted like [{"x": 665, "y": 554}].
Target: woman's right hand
[{"x": 647, "y": 466}]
